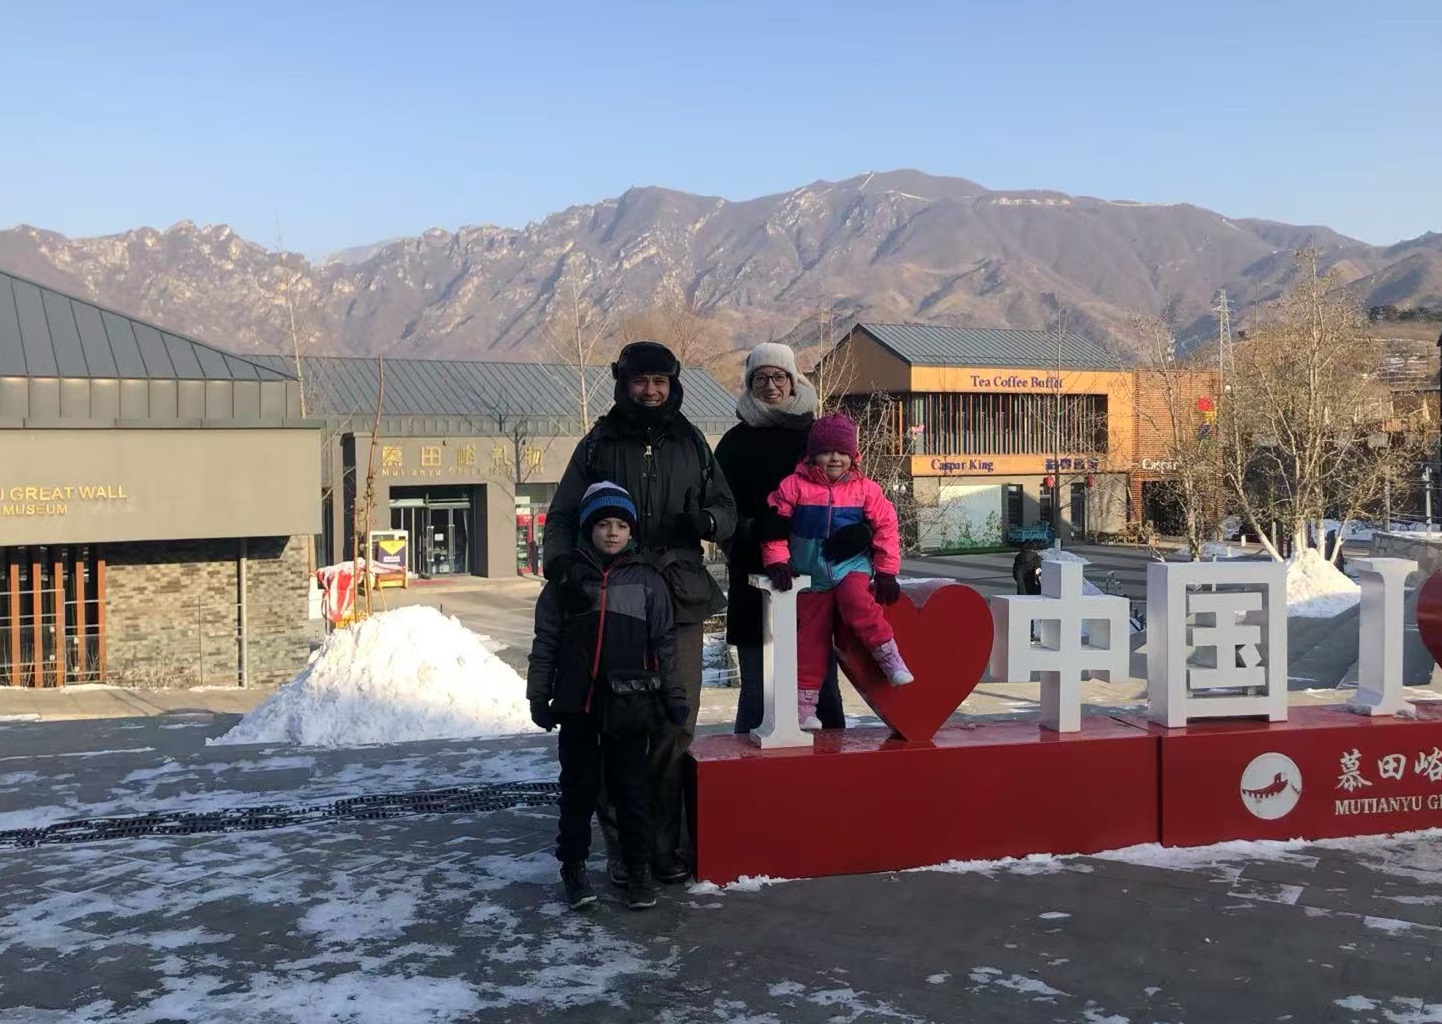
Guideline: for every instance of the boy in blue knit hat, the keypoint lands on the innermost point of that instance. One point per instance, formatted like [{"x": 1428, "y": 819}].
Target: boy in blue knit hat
[{"x": 603, "y": 668}]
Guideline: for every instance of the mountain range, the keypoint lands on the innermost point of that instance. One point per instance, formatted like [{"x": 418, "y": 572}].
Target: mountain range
[{"x": 893, "y": 246}]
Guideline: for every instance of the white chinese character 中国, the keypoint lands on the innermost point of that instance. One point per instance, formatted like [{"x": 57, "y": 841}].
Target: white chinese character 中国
[
  {"x": 1429, "y": 765},
  {"x": 1393, "y": 766},
  {"x": 1351, "y": 777}
]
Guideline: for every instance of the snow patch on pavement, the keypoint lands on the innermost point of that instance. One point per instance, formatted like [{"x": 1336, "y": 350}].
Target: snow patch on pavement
[{"x": 1014, "y": 982}]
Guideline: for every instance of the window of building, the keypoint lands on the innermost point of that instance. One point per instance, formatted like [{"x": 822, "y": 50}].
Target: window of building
[{"x": 1003, "y": 424}]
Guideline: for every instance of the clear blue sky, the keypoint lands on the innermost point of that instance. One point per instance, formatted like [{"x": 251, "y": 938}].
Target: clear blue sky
[{"x": 352, "y": 122}]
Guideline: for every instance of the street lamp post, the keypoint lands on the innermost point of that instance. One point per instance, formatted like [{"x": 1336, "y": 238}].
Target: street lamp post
[{"x": 1427, "y": 495}]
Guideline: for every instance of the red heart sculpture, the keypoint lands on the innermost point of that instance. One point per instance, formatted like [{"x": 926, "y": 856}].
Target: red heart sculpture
[
  {"x": 1429, "y": 615},
  {"x": 944, "y": 631}
]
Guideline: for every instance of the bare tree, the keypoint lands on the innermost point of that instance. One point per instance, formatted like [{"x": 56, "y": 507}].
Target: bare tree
[
  {"x": 579, "y": 336},
  {"x": 1175, "y": 400},
  {"x": 507, "y": 418},
  {"x": 1302, "y": 432},
  {"x": 679, "y": 323},
  {"x": 832, "y": 370},
  {"x": 364, "y": 511}
]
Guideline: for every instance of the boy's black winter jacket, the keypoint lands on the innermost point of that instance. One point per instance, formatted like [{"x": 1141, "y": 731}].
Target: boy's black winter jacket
[{"x": 618, "y": 617}]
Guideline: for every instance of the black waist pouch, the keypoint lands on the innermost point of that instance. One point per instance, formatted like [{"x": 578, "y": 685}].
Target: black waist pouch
[{"x": 633, "y": 703}]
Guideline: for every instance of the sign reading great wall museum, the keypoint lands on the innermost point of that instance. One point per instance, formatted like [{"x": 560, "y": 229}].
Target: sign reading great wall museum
[{"x": 57, "y": 499}]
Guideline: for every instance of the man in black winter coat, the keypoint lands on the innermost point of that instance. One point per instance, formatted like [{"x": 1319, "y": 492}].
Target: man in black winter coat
[
  {"x": 647, "y": 446},
  {"x": 1026, "y": 569}
]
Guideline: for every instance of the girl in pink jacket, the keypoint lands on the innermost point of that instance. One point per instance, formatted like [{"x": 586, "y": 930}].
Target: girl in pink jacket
[{"x": 827, "y": 501}]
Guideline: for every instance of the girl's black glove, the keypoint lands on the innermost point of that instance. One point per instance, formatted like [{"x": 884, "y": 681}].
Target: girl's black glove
[{"x": 848, "y": 542}]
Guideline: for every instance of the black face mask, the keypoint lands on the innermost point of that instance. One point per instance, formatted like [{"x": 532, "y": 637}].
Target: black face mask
[{"x": 648, "y": 417}]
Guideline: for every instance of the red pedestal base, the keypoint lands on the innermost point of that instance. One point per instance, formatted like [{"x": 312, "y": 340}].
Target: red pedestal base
[
  {"x": 859, "y": 801},
  {"x": 1290, "y": 780}
]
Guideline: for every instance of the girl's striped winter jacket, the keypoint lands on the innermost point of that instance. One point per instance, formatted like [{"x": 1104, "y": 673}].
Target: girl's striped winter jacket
[{"x": 817, "y": 508}]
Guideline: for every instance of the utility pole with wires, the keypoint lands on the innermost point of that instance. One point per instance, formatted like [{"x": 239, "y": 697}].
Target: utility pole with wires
[
  {"x": 1056, "y": 431},
  {"x": 1223, "y": 309}
]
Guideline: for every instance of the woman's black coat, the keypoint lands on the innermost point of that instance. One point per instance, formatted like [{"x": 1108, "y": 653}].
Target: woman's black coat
[{"x": 754, "y": 461}]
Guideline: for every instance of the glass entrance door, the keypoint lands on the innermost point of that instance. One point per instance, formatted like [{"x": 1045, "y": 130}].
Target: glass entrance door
[
  {"x": 439, "y": 524},
  {"x": 440, "y": 539}
]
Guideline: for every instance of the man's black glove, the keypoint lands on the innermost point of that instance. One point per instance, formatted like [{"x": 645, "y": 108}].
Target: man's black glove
[
  {"x": 558, "y": 569},
  {"x": 847, "y": 542},
  {"x": 780, "y": 575},
  {"x": 574, "y": 599},
  {"x": 694, "y": 526},
  {"x": 676, "y": 714},
  {"x": 771, "y": 525},
  {"x": 888, "y": 591},
  {"x": 542, "y": 715}
]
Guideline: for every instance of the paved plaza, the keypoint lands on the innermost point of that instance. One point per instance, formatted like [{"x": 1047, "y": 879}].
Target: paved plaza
[
  {"x": 455, "y": 917},
  {"x": 338, "y": 894}
]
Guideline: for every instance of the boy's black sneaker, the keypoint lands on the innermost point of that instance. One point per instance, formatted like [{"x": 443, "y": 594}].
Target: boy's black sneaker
[
  {"x": 616, "y": 871},
  {"x": 672, "y": 873},
  {"x": 640, "y": 890},
  {"x": 577, "y": 885}
]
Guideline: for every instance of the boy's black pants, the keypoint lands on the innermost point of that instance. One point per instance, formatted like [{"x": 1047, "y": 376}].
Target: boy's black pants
[{"x": 586, "y": 756}]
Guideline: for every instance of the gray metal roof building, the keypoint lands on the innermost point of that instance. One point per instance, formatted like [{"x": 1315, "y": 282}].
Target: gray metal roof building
[
  {"x": 65, "y": 362},
  {"x": 927, "y": 345},
  {"x": 435, "y": 390},
  {"x": 44, "y": 333},
  {"x": 62, "y": 357}
]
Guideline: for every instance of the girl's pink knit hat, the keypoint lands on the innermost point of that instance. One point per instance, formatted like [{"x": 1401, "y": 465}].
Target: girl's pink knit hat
[{"x": 834, "y": 433}]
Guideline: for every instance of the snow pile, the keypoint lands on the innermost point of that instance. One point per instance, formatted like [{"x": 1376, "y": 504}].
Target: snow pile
[
  {"x": 1317, "y": 589},
  {"x": 405, "y": 674},
  {"x": 1060, "y": 555}
]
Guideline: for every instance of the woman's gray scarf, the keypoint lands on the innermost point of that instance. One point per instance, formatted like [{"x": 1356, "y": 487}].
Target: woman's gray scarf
[{"x": 794, "y": 413}]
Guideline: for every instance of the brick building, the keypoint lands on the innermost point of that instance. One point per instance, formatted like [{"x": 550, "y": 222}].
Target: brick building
[
  {"x": 157, "y": 503},
  {"x": 1002, "y": 427}
]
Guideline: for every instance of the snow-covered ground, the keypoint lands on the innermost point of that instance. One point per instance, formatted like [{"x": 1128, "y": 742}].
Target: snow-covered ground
[
  {"x": 1317, "y": 589},
  {"x": 718, "y": 662},
  {"x": 406, "y": 674},
  {"x": 380, "y": 921}
]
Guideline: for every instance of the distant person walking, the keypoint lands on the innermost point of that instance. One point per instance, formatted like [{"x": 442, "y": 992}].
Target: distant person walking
[
  {"x": 776, "y": 407},
  {"x": 645, "y": 445},
  {"x": 1026, "y": 569}
]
